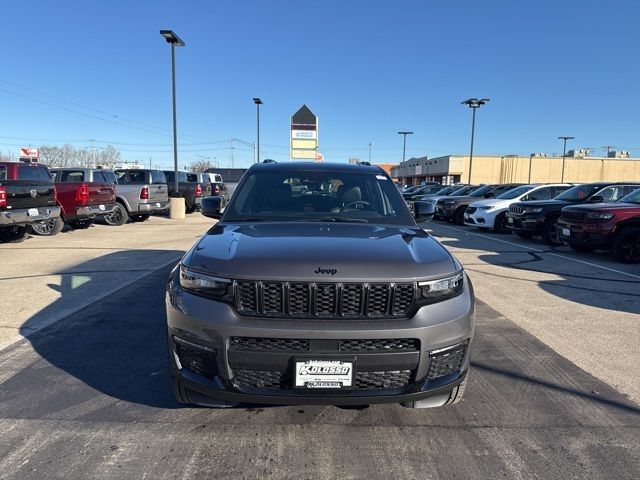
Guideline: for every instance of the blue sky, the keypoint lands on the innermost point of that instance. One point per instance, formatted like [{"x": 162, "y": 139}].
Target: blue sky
[{"x": 366, "y": 68}]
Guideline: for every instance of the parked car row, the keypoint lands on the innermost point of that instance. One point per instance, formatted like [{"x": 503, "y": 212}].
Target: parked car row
[
  {"x": 599, "y": 215},
  {"x": 42, "y": 200}
]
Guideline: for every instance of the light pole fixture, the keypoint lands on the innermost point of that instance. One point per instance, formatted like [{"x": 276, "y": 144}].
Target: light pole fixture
[
  {"x": 404, "y": 144},
  {"x": 370, "y": 145},
  {"x": 564, "y": 154},
  {"x": 175, "y": 41},
  {"x": 474, "y": 104},
  {"x": 258, "y": 102}
]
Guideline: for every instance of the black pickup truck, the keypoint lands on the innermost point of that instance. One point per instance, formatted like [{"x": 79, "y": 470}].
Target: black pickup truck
[
  {"x": 27, "y": 196},
  {"x": 191, "y": 191}
]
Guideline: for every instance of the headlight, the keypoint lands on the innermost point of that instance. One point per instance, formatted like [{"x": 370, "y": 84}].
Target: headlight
[
  {"x": 203, "y": 284},
  {"x": 488, "y": 207},
  {"x": 532, "y": 209},
  {"x": 436, "y": 290},
  {"x": 599, "y": 216}
]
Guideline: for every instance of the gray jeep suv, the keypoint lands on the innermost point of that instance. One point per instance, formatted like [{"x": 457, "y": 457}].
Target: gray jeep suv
[{"x": 317, "y": 286}]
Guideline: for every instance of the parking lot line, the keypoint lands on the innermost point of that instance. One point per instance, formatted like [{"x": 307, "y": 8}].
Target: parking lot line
[{"x": 532, "y": 249}]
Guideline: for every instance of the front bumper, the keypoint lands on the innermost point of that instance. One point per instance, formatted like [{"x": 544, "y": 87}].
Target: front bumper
[
  {"x": 265, "y": 376},
  {"x": 28, "y": 215},
  {"x": 525, "y": 224},
  {"x": 152, "y": 207},
  {"x": 588, "y": 235},
  {"x": 480, "y": 219},
  {"x": 89, "y": 211},
  {"x": 445, "y": 211}
]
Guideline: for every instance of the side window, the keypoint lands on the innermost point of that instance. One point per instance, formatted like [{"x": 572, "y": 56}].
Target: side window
[
  {"x": 137, "y": 177},
  {"x": 192, "y": 177},
  {"x": 627, "y": 189},
  {"x": 110, "y": 176},
  {"x": 545, "y": 193},
  {"x": 612, "y": 193},
  {"x": 99, "y": 177},
  {"x": 560, "y": 189},
  {"x": 123, "y": 177},
  {"x": 3, "y": 172}
]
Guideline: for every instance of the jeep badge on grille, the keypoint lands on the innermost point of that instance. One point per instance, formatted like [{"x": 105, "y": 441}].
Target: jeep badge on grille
[{"x": 325, "y": 271}]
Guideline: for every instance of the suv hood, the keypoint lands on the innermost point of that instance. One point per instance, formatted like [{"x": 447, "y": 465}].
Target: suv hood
[
  {"x": 547, "y": 203},
  {"x": 600, "y": 207},
  {"x": 296, "y": 251}
]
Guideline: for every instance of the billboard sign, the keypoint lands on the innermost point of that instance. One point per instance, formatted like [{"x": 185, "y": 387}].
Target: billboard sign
[
  {"x": 304, "y": 135},
  {"x": 30, "y": 153}
]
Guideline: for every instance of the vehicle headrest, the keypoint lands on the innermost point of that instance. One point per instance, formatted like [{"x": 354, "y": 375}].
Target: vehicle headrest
[{"x": 353, "y": 194}]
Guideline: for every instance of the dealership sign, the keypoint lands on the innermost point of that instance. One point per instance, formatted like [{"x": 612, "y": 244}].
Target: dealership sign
[
  {"x": 28, "y": 152},
  {"x": 304, "y": 135}
]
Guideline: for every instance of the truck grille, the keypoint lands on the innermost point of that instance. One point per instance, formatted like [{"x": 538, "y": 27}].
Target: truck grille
[
  {"x": 281, "y": 380},
  {"x": 516, "y": 209},
  {"x": 369, "y": 345},
  {"x": 572, "y": 216},
  {"x": 324, "y": 300}
]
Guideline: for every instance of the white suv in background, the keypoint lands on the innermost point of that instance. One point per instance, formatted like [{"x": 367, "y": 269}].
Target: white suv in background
[{"x": 492, "y": 213}]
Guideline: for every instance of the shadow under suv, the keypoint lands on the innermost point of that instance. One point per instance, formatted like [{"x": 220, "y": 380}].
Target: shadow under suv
[{"x": 317, "y": 286}]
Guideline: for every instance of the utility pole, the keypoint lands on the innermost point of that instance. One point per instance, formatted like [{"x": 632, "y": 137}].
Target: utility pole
[
  {"x": 564, "y": 155},
  {"x": 608, "y": 149},
  {"x": 474, "y": 104},
  {"x": 404, "y": 143}
]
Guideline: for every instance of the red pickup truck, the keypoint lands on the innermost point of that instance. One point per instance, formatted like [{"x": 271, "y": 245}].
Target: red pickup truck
[
  {"x": 82, "y": 193},
  {"x": 612, "y": 226}
]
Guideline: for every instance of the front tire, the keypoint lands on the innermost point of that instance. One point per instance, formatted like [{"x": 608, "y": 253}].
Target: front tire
[
  {"x": 550, "y": 232},
  {"x": 626, "y": 246},
  {"x": 48, "y": 228},
  {"x": 190, "y": 209},
  {"x": 500, "y": 224},
  {"x": 118, "y": 217},
  {"x": 458, "y": 217}
]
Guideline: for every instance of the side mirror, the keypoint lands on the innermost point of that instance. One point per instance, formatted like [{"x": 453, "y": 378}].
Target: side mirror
[
  {"x": 423, "y": 211},
  {"x": 210, "y": 207},
  {"x": 596, "y": 199}
]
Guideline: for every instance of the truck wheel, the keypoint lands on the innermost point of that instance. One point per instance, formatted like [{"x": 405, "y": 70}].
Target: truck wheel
[
  {"x": 626, "y": 246},
  {"x": 500, "y": 224},
  {"x": 13, "y": 234},
  {"x": 190, "y": 209},
  {"x": 80, "y": 224},
  {"x": 118, "y": 217},
  {"x": 526, "y": 236},
  {"x": 578, "y": 247},
  {"x": 140, "y": 218},
  {"x": 550, "y": 232},
  {"x": 48, "y": 228}
]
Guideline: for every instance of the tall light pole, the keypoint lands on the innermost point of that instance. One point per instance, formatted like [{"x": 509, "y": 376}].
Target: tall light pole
[
  {"x": 175, "y": 41},
  {"x": 564, "y": 154},
  {"x": 474, "y": 104},
  {"x": 370, "y": 145},
  {"x": 404, "y": 143},
  {"x": 258, "y": 102}
]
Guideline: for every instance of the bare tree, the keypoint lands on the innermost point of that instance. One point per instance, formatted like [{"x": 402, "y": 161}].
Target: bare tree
[{"x": 201, "y": 165}]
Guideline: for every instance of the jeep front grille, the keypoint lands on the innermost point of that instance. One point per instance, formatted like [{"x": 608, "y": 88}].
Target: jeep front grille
[
  {"x": 516, "y": 209},
  {"x": 324, "y": 300},
  {"x": 571, "y": 216}
]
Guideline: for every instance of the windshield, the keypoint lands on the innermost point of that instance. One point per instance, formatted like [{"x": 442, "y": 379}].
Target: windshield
[
  {"x": 318, "y": 195},
  {"x": 479, "y": 192},
  {"x": 579, "y": 192},
  {"x": 633, "y": 197},
  {"x": 515, "y": 192}
]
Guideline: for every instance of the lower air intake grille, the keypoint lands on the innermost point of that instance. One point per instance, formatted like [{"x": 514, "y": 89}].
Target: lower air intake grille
[
  {"x": 198, "y": 360},
  {"x": 269, "y": 344},
  {"x": 380, "y": 345},
  {"x": 446, "y": 362},
  {"x": 281, "y": 380}
]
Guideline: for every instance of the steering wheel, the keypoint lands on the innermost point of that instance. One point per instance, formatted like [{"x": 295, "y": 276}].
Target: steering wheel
[{"x": 357, "y": 202}]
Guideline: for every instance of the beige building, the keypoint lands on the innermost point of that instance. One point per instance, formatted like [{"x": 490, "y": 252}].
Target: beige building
[{"x": 536, "y": 168}]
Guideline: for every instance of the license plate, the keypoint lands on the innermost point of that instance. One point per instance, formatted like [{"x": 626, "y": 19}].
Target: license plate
[
  {"x": 101, "y": 207},
  {"x": 566, "y": 232},
  {"x": 158, "y": 204},
  {"x": 33, "y": 212},
  {"x": 509, "y": 220},
  {"x": 323, "y": 374}
]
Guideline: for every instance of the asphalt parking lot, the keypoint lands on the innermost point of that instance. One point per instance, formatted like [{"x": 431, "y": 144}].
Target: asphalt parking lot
[{"x": 554, "y": 390}]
